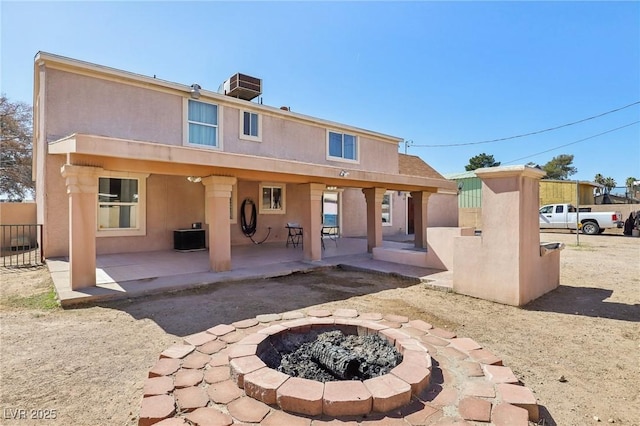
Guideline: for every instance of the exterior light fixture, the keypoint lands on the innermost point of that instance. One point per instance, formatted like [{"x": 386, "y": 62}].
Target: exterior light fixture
[
  {"x": 195, "y": 91},
  {"x": 194, "y": 179},
  {"x": 343, "y": 173},
  {"x": 331, "y": 188}
]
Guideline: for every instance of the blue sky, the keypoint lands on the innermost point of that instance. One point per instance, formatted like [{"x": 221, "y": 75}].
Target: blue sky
[{"x": 435, "y": 73}]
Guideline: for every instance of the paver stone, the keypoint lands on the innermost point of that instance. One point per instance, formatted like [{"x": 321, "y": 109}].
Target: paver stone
[
  {"x": 161, "y": 385},
  {"x": 217, "y": 374},
  {"x": 177, "y": 351},
  {"x": 519, "y": 396},
  {"x": 389, "y": 392},
  {"x": 346, "y": 398},
  {"x": 209, "y": 416},
  {"x": 221, "y": 329},
  {"x": 156, "y": 408},
  {"x": 509, "y": 415},
  {"x": 224, "y": 392},
  {"x": 262, "y": 384},
  {"x": 189, "y": 399},
  {"x": 301, "y": 396},
  {"x": 165, "y": 367},
  {"x": 281, "y": 418},
  {"x": 186, "y": 378},
  {"x": 195, "y": 360},
  {"x": 475, "y": 409},
  {"x": 248, "y": 410},
  {"x": 499, "y": 374}
]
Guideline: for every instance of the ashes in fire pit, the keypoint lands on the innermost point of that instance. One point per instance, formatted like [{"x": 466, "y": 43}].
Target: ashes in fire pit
[{"x": 332, "y": 355}]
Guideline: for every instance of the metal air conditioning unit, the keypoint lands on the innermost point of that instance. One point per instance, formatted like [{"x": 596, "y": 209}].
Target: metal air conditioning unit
[{"x": 242, "y": 86}]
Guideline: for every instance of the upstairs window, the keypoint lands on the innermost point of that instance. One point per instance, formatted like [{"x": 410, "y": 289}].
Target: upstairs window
[
  {"x": 202, "y": 121},
  {"x": 342, "y": 146},
  {"x": 250, "y": 124}
]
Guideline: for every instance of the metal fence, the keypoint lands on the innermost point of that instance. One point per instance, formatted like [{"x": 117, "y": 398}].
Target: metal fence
[{"x": 21, "y": 245}]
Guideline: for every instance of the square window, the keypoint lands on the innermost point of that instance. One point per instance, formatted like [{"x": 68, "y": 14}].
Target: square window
[
  {"x": 342, "y": 146},
  {"x": 272, "y": 199},
  {"x": 250, "y": 126},
  {"x": 121, "y": 205}
]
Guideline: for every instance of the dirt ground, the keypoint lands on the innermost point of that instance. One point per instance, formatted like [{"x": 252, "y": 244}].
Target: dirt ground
[{"x": 89, "y": 364}]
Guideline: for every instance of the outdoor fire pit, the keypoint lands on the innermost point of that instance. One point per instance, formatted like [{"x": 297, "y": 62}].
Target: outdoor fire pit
[
  {"x": 230, "y": 374},
  {"x": 337, "y": 367}
]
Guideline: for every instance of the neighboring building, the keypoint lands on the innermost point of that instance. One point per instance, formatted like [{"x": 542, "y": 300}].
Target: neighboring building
[
  {"x": 122, "y": 160},
  {"x": 551, "y": 192},
  {"x": 566, "y": 191}
]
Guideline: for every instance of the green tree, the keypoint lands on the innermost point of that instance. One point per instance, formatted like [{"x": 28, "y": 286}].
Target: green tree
[
  {"x": 15, "y": 149},
  {"x": 481, "y": 160},
  {"x": 608, "y": 182},
  {"x": 560, "y": 167}
]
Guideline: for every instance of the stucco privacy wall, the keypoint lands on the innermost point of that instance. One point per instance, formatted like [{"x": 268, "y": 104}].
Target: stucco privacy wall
[
  {"x": 505, "y": 263},
  {"x": 17, "y": 213}
]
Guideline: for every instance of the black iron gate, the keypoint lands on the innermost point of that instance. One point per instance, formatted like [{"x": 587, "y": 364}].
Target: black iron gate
[{"x": 21, "y": 245}]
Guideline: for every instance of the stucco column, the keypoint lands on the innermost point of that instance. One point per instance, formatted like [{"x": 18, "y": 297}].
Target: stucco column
[
  {"x": 312, "y": 220},
  {"x": 82, "y": 188},
  {"x": 218, "y": 195},
  {"x": 420, "y": 204},
  {"x": 373, "y": 196}
]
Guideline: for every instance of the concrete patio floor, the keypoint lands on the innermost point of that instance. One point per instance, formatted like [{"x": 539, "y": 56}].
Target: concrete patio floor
[{"x": 126, "y": 275}]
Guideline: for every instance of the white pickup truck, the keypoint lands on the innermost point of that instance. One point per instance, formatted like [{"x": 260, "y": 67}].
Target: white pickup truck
[{"x": 563, "y": 216}]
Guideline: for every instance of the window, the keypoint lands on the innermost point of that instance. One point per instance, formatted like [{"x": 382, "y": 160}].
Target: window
[
  {"x": 386, "y": 209},
  {"x": 330, "y": 209},
  {"x": 272, "y": 199},
  {"x": 559, "y": 209},
  {"x": 121, "y": 205},
  {"x": 202, "y": 121},
  {"x": 250, "y": 125},
  {"x": 342, "y": 146}
]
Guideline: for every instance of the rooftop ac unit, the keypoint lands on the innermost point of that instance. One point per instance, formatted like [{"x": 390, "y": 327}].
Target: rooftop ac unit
[{"x": 243, "y": 87}]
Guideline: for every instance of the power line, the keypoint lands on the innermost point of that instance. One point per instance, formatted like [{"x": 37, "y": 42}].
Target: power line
[
  {"x": 532, "y": 133},
  {"x": 572, "y": 143}
]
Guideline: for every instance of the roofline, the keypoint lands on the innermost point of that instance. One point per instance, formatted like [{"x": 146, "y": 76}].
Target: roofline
[{"x": 96, "y": 70}]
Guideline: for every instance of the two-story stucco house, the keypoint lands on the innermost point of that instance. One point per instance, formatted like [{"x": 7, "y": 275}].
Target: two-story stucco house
[{"x": 123, "y": 160}]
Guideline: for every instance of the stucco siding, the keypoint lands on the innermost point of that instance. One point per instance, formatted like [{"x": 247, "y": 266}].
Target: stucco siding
[{"x": 81, "y": 104}]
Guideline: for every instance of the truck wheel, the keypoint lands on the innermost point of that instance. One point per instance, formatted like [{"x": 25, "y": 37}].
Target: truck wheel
[{"x": 590, "y": 228}]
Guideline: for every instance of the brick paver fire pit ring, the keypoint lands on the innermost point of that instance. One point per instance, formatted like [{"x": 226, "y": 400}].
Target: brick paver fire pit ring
[{"x": 217, "y": 377}]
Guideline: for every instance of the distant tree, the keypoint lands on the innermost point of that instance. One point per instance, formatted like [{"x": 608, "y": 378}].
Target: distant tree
[
  {"x": 560, "y": 167},
  {"x": 608, "y": 182},
  {"x": 481, "y": 160},
  {"x": 15, "y": 149}
]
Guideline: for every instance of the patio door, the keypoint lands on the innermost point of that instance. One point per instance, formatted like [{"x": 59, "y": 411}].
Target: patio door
[{"x": 330, "y": 209}]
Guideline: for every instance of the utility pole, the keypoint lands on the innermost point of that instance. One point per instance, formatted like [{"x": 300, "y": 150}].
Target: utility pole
[{"x": 406, "y": 145}]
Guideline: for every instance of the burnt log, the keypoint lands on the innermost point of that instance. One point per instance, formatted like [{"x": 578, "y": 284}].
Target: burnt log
[{"x": 338, "y": 361}]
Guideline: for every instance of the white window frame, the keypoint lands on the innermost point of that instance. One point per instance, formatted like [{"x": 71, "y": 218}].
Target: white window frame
[
  {"x": 283, "y": 198},
  {"x": 141, "y": 229},
  {"x": 390, "y": 222},
  {"x": 185, "y": 132},
  {"x": 257, "y": 138},
  {"x": 342, "y": 159}
]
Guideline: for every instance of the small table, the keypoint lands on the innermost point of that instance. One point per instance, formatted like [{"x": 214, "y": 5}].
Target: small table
[
  {"x": 295, "y": 235},
  {"x": 331, "y": 232}
]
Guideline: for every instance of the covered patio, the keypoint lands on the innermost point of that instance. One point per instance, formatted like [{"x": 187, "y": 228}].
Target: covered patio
[{"x": 126, "y": 275}]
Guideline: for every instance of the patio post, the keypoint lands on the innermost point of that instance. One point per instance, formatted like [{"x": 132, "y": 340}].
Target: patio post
[
  {"x": 82, "y": 189},
  {"x": 312, "y": 220},
  {"x": 420, "y": 204},
  {"x": 218, "y": 195},
  {"x": 373, "y": 196}
]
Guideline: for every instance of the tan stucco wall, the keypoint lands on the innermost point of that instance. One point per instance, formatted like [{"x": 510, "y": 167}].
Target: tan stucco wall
[
  {"x": 442, "y": 210},
  {"x": 18, "y": 213},
  {"x": 505, "y": 263},
  {"x": 81, "y": 104}
]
